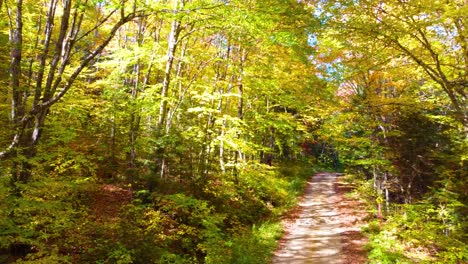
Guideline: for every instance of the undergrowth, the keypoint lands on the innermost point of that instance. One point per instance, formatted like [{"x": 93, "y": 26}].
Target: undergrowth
[
  {"x": 220, "y": 220},
  {"x": 431, "y": 230}
]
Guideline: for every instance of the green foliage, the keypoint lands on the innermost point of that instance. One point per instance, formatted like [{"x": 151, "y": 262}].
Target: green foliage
[
  {"x": 194, "y": 221},
  {"x": 399, "y": 130},
  {"x": 38, "y": 220},
  {"x": 253, "y": 246},
  {"x": 383, "y": 249},
  {"x": 420, "y": 232},
  {"x": 120, "y": 255},
  {"x": 269, "y": 192},
  {"x": 186, "y": 105}
]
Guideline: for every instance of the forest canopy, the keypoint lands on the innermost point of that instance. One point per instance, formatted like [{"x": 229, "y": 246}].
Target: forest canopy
[{"x": 180, "y": 131}]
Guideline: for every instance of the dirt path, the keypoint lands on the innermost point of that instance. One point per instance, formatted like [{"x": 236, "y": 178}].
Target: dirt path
[{"x": 319, "y": 232}]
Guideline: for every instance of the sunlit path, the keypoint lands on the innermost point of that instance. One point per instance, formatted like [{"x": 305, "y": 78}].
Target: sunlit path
[{"x": 315, "y": 236}]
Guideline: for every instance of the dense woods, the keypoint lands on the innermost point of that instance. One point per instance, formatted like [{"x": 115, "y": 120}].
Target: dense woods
[{"x": 181, "y": 131}]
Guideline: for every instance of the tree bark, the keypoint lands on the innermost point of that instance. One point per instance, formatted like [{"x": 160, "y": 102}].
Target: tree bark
[
  {"x": 171, "y": 50},
  {"x": 16, "y": 42},
  {"x": 240, "y": 106}
]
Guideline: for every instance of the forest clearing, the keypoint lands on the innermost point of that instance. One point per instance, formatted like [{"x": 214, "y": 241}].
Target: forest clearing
[{"x": 187, "y": 131}]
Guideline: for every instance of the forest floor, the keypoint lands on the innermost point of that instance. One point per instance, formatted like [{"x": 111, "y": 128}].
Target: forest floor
[{"x": 325, "y": 227}]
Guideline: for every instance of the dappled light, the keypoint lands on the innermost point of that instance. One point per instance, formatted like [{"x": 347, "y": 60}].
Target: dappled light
[
  {"x": 315, "y": 235},
  {"x": 186, "y": 131}
]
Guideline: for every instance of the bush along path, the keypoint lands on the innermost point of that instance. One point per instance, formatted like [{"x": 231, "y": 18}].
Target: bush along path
[{"x": 324, "y": 229}]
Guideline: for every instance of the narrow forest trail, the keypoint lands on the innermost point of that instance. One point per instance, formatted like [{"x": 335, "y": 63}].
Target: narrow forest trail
[{"x": 316, "y": 235}]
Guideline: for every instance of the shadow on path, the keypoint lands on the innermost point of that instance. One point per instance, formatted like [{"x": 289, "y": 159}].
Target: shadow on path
[{"x": 315, "y": 235}]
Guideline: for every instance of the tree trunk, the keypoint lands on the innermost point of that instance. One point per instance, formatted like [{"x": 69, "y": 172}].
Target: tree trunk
[
  {"x": 135, "y": 113},
  {"x": 171, "y": 50},
  {"x": 16, "y": 41},
  {"x": 387, "y": 193}
]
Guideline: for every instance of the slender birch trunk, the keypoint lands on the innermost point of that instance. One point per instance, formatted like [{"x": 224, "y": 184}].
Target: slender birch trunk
[{"x": 171, "y": 50}]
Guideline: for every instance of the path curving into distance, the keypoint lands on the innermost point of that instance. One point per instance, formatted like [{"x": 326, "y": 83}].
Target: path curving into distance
[{"x": 314, "y": 237}]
